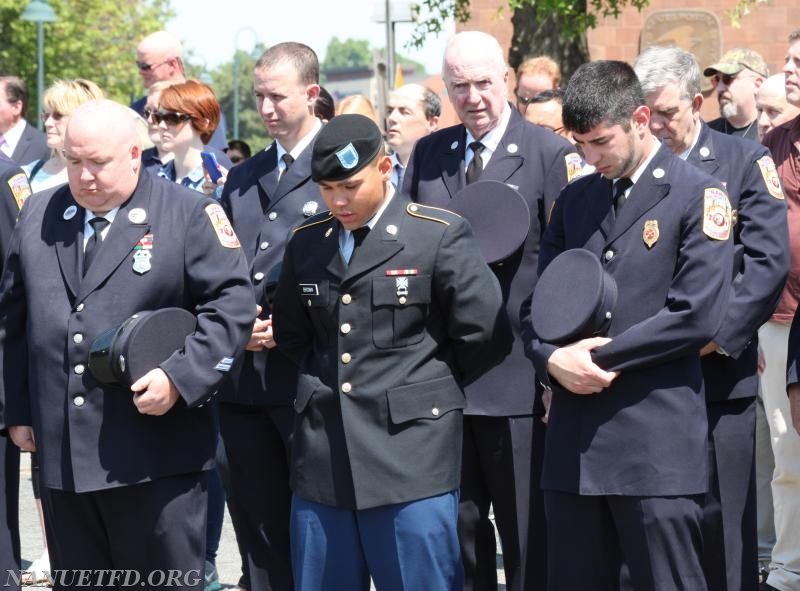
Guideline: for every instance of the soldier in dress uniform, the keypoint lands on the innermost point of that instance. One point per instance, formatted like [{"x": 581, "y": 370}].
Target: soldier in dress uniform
[
  {"x": 626, "y": 454},
  {"x": 122, "y": 469},
  {"x": 389, "y": 311},
  {"x": 670, "y": 79}
]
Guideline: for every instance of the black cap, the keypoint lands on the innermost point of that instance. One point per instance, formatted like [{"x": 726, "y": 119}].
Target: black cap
[
  {"x": 499, "y": 217},
  {"x": 123, "y": 354},
  {"x": 346, "y": 144},
  {"x": 574, "y": 298}
]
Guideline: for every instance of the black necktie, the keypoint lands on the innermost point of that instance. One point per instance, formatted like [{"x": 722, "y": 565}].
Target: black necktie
[
  {"x": 620, "y": 187},
  {"x": 399, "y": 169},
  {"x": 475, "y": 167},
  {"x": 94, "y": 242},
  {"x": 358, "y": 237},
  {"x": 287, "y": 160}
]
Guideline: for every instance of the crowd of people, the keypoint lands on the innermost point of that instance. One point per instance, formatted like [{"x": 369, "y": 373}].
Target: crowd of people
[{"x": 567, "y": 317}]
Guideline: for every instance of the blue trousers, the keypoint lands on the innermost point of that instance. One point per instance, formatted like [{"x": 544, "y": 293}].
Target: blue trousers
[{"x": 406, "y": 546}]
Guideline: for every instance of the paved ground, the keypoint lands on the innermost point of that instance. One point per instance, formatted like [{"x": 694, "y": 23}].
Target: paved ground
[{"x": 228, "y": 561}]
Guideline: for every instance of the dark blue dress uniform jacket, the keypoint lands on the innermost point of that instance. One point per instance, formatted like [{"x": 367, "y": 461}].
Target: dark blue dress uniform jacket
[
  {"x": 264, "y": 210},
  {"x": 535, "y": 161},
  {"x": 380, "y": 393},
  {"x": 761, "y": 257},
  {"x": 90, "y": 436},
  {"x": 646, "y": 434}
]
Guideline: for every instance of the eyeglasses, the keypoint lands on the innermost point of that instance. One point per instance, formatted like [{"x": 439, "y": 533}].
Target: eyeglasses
[
  {"x": 55, "y": 115},
  {"x": 727, "y": 79},
  {"x": 143, "y": 67},
  {"x": 521, "y": 100},
  {"x": 168, "y": 117}
]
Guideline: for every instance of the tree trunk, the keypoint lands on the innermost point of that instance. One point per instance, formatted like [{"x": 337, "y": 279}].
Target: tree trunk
[{"x": 532, "y": 38}]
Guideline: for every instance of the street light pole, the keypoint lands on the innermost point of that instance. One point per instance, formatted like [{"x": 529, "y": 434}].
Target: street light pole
[
  {"x": 236, "y": 77},
  {"x": 39, "y": 12}
]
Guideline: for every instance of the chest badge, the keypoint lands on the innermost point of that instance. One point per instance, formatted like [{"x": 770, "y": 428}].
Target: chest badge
[
  {"x": 650, "y": 233},
  {"x": 142, "y": 254},
  {"x": 402, "y": 288}
]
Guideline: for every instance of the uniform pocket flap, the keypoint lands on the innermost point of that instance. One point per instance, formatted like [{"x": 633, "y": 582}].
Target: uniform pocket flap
[
  {"x": 426, "y": 400},
  {"x": 401, "y": 291}
]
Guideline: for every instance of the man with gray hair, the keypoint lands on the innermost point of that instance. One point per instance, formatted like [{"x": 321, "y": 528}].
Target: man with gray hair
[
  {"x": 736, "y": 78},
  {"x": 412, "y": 112},
  {"x": 503, "y": 433},
  {"x": 670, "y": 79}
]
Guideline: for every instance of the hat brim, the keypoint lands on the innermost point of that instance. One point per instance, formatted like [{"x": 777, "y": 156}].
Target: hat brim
[{"x": 723, "y": 68}]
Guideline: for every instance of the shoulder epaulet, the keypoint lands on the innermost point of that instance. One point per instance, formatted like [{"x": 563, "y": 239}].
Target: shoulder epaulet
[
  {"x": 426, "y": 212},
  {"x": 314, "y": 220}
]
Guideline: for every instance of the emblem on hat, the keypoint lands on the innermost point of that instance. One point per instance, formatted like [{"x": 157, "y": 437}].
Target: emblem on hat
[
  {"x": 310, "y": 207},
  {"x": 70, "y": 212},
  {"x": 650, "y": 233},
  {"x": 348, "y": 156}
]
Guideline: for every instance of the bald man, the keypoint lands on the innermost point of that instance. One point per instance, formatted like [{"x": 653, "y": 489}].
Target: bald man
[
  {"x": 773, "y": 108},
  {"x": 503, "y": 434},
  {"x": 159, "y": 58},
  {"x": 122, "y": 469}
]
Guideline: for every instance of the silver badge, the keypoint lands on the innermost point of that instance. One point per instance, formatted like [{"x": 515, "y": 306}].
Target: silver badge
[
  {"x": 512, "y": 148},
  {"x": 141, "y": 261},
  {"x": 348, "y": 156},
  {"x": 402, "y": 288},
  {"x": 392, "y": 229},
  {"x": 70, "y": 212},
  {"x": 137, "y": 215},
  {"x": 704, "y": 152},
  {"x": 328, "y": 232},
  {"x": 454, "y": 145},
  {"x": 658, "y": 173},
  {"x": 310, "y": 208}
]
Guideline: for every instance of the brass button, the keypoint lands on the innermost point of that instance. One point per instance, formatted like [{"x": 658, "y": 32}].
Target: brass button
[
  {"x": 346, "y": 299},
  {"x": 346, "y": 358},
  {"x": 345, "y": 328},
  {"x": 435, "y": 411},
  {"x": 346, "y": 387},
  {"x": 79, "y": 368}
]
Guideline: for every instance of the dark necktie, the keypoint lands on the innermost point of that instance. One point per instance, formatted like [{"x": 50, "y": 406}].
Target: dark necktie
[
  {"x": 287, "y": 160},
  {"x": 399, "y": 170},
  {"x": 620, "y": 187},
  {"x": 94, "y": 242},
  {"x": 358, "y": 238},
  {"x": 475, "y": 167}
]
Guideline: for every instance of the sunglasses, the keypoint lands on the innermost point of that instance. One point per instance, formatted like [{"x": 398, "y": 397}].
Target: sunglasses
[
  {"x": 521, "y": 100},
  {"x": 55, "y": 115},
  {"x": 143, "y": 67},
  {"x": 168, "y": 117}
]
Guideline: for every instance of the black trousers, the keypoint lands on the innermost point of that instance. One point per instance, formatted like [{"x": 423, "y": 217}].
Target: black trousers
[
  {"x": 257, "y": 442},
  {"x": 9, "y": 512},
  {"x": 144, "y": 530},
  {"x": 590, "y": 538},
  {"x": 502, "y": 459},
  {"x": 730, "y": 536}
]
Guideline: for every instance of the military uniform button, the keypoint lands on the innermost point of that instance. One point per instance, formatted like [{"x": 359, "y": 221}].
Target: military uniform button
[
  {"x": 79, "y": 401},
  {"x": 77, "y": 338},
  {"x": 609, "y": 254},
  {"x": 435, "y": 411},
  {"x": 79, "y": 368},
  {"x": 346, "y": 387},
  {"x": 264, "y": 245},
  {"x": 346, "y": 299},
  {"x": 273, "y": 216},
  {"x": 346, "y": 358},
  {"x": 79, "y": 307},
  {"x": 345, "y": 328},
  {"x": 258, "y": 276}
]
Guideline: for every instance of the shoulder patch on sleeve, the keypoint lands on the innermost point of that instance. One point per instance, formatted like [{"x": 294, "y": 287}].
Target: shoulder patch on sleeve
[
  {"x": 717, "y": 214},
  {"x": 222, "y": 227},
  {"x": 20, "y": 188},
  {"x": 316, "y": 220},
  {"x": 770, "y": 174},
  {"x": 426, "y": 212},
  {"x": 574, "y": 165}
]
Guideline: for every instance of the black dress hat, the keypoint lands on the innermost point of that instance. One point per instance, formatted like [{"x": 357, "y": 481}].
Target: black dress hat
[
  {"x": 574, "y": 298},
  {"x": 498, "y": 214},
  {"x": 123, "y": 354}
]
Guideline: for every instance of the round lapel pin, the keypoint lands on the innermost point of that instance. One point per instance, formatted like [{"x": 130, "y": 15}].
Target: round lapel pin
[
  {"x": 137, "y": 215},
  {"x": 70, "y": 212}
]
